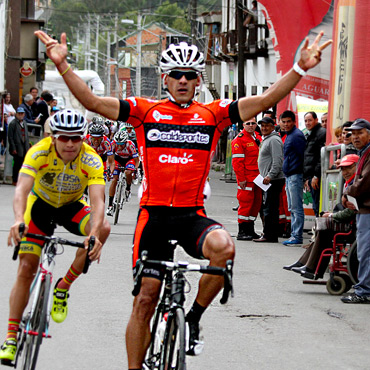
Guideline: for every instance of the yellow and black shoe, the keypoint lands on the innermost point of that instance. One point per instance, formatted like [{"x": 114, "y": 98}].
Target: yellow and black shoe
[
  {"x": 8, "y": 350},
  {"x": 59, "y": 310}
]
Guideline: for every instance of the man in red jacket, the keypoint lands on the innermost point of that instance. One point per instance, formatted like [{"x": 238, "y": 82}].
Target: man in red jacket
[{"x": 245, "y": 149}]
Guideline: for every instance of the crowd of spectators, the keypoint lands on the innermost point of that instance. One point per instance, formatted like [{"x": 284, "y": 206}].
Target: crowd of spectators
[{"x": 289, "y": 162}]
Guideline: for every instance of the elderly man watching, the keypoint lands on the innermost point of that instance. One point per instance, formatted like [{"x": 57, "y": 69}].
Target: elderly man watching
[
  {"x": 359, "y": 191},
  {"x": 27, "y": 106}
]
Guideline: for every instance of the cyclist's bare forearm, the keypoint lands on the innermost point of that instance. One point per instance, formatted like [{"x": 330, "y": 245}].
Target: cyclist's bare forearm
[
  {"x": 24, "y": 186},
  {"x": 96, "y": 193}
]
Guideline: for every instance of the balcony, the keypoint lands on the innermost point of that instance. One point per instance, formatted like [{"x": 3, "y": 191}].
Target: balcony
[{"x": 224, "y": 46}]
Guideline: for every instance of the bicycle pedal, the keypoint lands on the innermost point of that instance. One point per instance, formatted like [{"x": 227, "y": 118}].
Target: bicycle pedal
[{"x": 7, "y": 363}]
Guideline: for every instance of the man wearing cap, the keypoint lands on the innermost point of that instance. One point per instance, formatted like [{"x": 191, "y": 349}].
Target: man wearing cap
[
  {"x": 270, "y": 164},
  {"x": 360, "y": 191},
  {"x": 18, "y": 141},
  {"x": 47, "y": 130},
  {"x": 245, "y": 164}
]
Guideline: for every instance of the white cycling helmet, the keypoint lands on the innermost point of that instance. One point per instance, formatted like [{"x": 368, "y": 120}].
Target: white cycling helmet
[
  {"x": 121, "y": 137},
  {"x": 68, "y": 121},
  {"x": 182, "y": 56}
]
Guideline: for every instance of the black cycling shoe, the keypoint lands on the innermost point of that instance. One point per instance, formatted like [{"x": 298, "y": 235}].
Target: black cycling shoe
[{"x": 195, "y": 341}]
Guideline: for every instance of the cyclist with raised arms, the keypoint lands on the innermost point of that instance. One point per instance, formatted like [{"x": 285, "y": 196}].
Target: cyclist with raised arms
[
  {"x": 97, "y": 139},
  {"x": 51, "y": 182},
  {"x": 177, "y": 137},
  {"x": 125, "y": 155}
]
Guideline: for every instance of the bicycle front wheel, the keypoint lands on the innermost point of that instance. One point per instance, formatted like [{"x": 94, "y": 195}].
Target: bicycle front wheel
[
  {"x": 118, "y": 201},
  {"x": 36, "y": 326},
  {"x": 173, "y": 350}
]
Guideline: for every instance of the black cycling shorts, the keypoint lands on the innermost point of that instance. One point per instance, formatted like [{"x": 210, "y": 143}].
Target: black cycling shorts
[{"x": 157, "y": 225}]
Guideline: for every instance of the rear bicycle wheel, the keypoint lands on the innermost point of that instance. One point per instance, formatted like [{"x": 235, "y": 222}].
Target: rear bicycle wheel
[
  {"x": 173, "y": 349},
  {"x": 117, "y": 202},
  {"x": 36, "y": 326}
]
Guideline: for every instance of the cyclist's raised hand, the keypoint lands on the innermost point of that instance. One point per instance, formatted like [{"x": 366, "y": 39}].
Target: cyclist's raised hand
[
  {"x": 311, "y": 55},
  {"x": 96, "y": 251},
  {"x": 57, "y": 52},
  {"x": 14, "y": 236}
]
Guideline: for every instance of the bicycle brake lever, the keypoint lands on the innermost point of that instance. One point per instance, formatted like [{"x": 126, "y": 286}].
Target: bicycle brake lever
[
  {"x": 21, "y": 229},
  {"x": 87, "y": 259}
]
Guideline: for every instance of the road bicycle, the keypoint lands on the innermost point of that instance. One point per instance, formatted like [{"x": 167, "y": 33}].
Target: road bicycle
[
  {"x": 34, "y": 325},
  {"x": 167, "y": 349},
  {"x": 120, "y": 196}
]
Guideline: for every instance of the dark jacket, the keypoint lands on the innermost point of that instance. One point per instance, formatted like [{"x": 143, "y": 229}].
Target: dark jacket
[
  {"x": 15, "y": 138},
  {"x": 29, "y": 118},
  {"x": 43, "y": 108},
  {"x": 294, "y": 147},
  {"x": 361, "y": 184},
  {"x": 312, "y": 155}
]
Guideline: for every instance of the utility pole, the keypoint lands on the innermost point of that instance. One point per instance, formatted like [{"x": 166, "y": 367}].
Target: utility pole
[
  {"x": 88, "y": 38},
  {"x": 138, "y": 59},
  {"x": 241, "y": 47},
  {"x": 193, "y": 21},
  {"x": 159, "y": 84},
  {"x": 117, "y": 89},
  {"x": 108, "y": 64},
  {"x": 97, "y": 44}
]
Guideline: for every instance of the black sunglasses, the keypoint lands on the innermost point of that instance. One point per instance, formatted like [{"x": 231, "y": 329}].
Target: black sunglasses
[
  {"x": 250, "y": 123},
  {"x": 189, "y": 75},
  {"x": 66, "y": 138}
]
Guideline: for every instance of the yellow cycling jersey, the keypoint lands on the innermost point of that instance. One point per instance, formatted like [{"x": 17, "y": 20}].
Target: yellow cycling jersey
[{"x": 58, "y": 183}]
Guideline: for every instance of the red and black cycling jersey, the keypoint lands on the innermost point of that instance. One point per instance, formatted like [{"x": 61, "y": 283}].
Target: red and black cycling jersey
[
  {"x": 176, "y": 145},
  {"x": 104, "y": 148}
]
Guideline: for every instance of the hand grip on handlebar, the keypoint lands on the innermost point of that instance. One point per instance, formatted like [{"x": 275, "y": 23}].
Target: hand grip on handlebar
[
  {"x": 87, "y": 259},
  {"x": 228, "y": 284},
  {"x": 22, "y": 227},
  {"x": 139, "y": 273}
]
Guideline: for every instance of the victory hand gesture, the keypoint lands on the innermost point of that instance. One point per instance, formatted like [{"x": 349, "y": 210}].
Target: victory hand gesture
[
  {"x": 55, "y": 51},
  {"x": 311, "y": 55}
]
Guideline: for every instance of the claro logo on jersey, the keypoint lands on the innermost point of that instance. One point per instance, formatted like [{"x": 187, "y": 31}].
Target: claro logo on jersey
[
  {"x": 176, "y": 136},
  {"x": 173, "y": 159}
]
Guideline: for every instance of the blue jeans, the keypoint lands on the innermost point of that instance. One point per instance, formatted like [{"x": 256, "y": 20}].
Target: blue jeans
[
  {"x": 294, "y": 190},
  {"x": 315, "y": 198},
  {"x": 362, "y": 288}
]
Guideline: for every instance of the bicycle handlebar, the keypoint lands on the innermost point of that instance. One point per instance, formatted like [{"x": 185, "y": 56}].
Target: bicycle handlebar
[
  {"x": 58, "y": 240},
  {"x": 226, "y": 272}
]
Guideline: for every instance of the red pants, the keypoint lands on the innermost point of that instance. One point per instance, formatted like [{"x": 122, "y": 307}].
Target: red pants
[{"x": 250, "y": 201}]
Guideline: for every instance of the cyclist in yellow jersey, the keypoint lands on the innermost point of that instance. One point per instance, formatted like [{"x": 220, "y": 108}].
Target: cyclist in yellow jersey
[{"x": 53, "y": 177}]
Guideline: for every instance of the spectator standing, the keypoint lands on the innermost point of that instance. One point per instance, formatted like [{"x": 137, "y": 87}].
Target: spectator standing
[
  {"x": 3, "y": 133},
  {"x": 8, "y": 107},
  {"x": 43, "y": 106},
  {"x": 18, "y": 141},
  {"x": 324, "y": 120},
  {"x": 294, "y": 149},
  {"x": 347, "y": 138},
  {"x": 312, "y": 158},
  {"x": 360, "y": 191},
  {"x": 245, "y": 149},
  {"x": 27, "y": 106},
  {"x": 270, "y": 164},
  {"x": 34, "y": 91}
]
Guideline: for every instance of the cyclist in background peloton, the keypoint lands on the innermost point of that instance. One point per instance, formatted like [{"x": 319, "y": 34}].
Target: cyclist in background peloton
[
  {"x": 102, "y": 145},
  {"x": 51, "y": 182},
  {"x": 125, "y": 155},
  {"x": 177, "y": 137}
]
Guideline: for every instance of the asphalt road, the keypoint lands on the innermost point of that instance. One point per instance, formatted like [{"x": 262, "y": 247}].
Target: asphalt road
[{"x": 273, "y": 321}]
